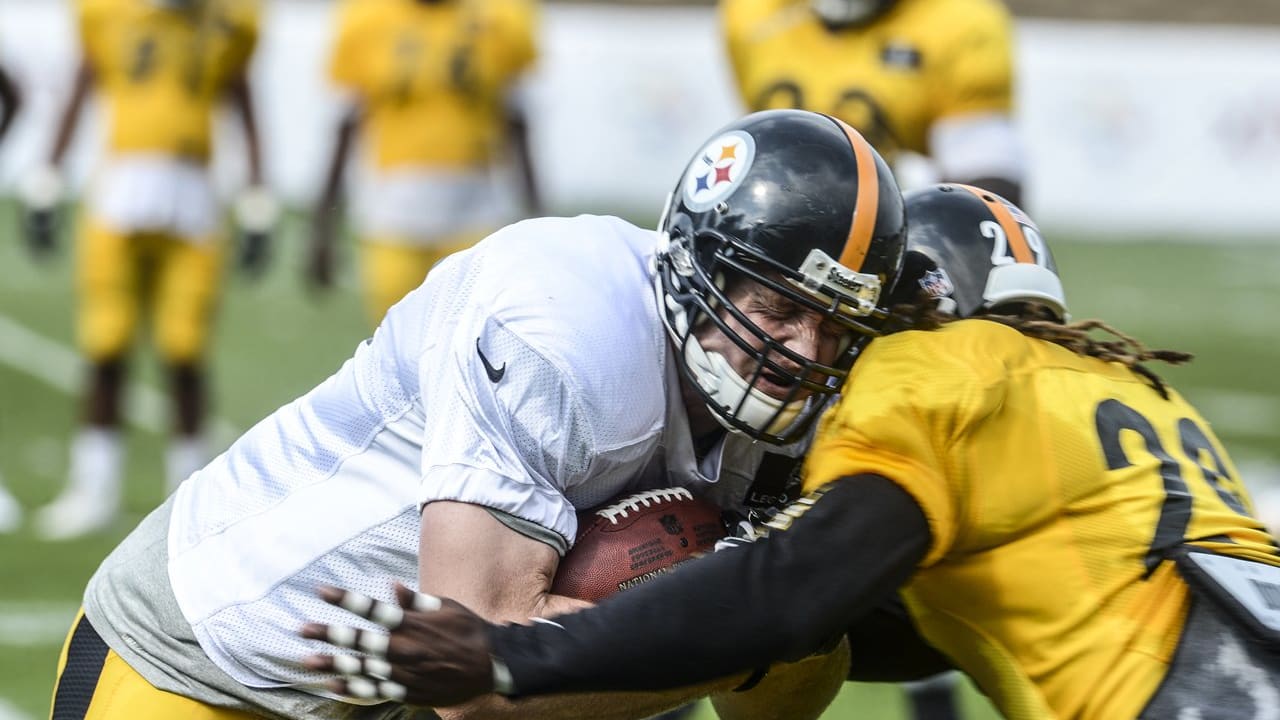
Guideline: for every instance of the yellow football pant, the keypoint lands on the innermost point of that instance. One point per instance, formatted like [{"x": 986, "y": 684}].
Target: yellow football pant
[
  {"x": 122, "y": 275},
  {"x": 390, "y": 268},
  {"x": 94, "y": 683}
]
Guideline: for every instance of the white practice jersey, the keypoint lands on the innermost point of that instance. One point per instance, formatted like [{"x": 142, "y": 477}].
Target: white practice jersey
[{"x": 530, "y": 374}]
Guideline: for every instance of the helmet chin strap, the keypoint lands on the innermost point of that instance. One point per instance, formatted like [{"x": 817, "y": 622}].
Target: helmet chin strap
[{"x": 726, "y": 387}]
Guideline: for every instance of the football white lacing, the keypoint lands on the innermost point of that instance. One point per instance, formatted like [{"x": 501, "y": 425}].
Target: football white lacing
[{"x": 632, "y": 503}]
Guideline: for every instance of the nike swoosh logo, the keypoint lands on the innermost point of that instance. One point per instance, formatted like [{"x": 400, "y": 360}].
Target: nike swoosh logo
[{"x": 495, "y": 374}]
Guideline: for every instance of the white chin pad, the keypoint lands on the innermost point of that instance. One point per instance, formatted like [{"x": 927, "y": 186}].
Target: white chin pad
[
  {"x": 1025, "y": 282},
  {"x": 727, "y": 388}
]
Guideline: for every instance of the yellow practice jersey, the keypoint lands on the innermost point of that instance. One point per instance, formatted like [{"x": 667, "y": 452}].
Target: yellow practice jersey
[
  {"x": 892, "y": 79},
  {"x": 162, "y": 71},
  {"x": 1054, "y": 486},
  {"x": 433, "y": 76}
]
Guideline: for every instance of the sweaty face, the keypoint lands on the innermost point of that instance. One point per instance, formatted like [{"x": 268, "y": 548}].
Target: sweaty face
[{"x": 801, "y": 330}]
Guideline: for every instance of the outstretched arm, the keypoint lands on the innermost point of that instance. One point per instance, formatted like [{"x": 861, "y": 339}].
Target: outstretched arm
[
  {"x": 828, "y": 559},
  {"x": 780, "y": 598}
]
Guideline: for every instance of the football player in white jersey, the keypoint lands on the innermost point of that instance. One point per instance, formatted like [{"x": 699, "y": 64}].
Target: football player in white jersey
[{"x": 555, "y": 365}]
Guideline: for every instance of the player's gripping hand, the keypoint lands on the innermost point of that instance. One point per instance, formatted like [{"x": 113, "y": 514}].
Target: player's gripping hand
[
  {"x": 257, "y": 213},
  {"x": 41, "y": 193},
  {"x": 434, "y": 653}
]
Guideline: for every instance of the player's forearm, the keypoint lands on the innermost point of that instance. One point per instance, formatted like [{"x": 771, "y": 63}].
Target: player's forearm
[
  {"x": 242, "y": 96},
  {"x": 550, "y": 605},
  {"x": 331, "y": 195},
  {"x": 67, "y": 124},
  {"x": 777, "y": 599},
  {"x": 518, "y": 131}
]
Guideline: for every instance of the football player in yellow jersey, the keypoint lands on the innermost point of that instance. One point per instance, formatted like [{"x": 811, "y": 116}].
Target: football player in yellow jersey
[
  {"x": 150, "y": 241},
  {"x": 435, "y": 90},
  {"x": 1064, "y": 526},
  {"x": 933, "y": 77}
]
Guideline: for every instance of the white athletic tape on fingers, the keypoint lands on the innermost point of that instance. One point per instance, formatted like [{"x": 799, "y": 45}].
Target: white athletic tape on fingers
[
  {"x": 347, "y": 664},
  {"x": 377, "y": 668},
  {"x": 423, "y": 602},
  {"x": 342, "y": 636},
  {"x": 387, "y": 615},
  {"x": 374, "y": 643},
  {"x": 356, "y": 603},
  {"x": 393, "y": 691},
  {"x": 361, "y": 688}
]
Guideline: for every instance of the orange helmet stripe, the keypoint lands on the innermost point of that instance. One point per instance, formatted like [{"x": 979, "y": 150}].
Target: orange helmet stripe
[
  {"x": 867, "y": 205},
  {"x": 1012, "y": 228}
]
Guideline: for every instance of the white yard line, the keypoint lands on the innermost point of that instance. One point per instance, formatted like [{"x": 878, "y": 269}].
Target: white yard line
[
  {"x": 9, "y": 711},
  {"x": 30, "y": 624},
  {"x": 61, "y": 368}
]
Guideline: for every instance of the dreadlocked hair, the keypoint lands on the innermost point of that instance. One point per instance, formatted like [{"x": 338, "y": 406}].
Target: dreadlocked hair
[
  {"x": 1124, "y": 349},
  {"x": 1037, "y": 321}
]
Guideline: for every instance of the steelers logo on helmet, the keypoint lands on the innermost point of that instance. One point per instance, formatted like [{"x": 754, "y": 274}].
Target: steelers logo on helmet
[{"x": 718, "y": 170}]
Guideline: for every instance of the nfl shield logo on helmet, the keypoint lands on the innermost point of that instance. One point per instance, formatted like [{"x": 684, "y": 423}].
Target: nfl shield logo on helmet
[
  {"x": 937, "y": 284},
  {"x": 718, "y": 170}
]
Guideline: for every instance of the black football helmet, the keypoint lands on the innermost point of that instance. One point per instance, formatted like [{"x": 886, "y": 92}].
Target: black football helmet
[
  {"x": 973, "y": 251},
  {"x": 800, "y": 203},
  {"x": 838, "y": 14}
]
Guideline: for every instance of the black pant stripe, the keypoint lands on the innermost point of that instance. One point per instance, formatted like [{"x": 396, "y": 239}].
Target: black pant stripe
[{"x": 79, "y": 678}]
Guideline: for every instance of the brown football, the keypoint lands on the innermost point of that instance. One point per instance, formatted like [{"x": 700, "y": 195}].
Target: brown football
[{"x": 634, "y": 539}]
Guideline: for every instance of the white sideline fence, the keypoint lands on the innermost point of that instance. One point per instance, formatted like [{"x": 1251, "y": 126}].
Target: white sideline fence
[{"x": 1145, "y": 129}]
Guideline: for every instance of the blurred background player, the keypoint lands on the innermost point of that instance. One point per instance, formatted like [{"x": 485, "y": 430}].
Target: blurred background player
[
  {"x": 149, "y": 237},
  {"x": 436, "y": 91},
  {"x": 10, "y": 102},
  {"x": 933, "y": 77}
]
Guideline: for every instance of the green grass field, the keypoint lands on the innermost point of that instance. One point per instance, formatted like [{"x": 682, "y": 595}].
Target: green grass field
[{"x": 274, "y": 341}]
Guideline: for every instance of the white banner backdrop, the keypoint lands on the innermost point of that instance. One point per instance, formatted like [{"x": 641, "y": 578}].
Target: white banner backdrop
[{"x": 1146, "y": 129}]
